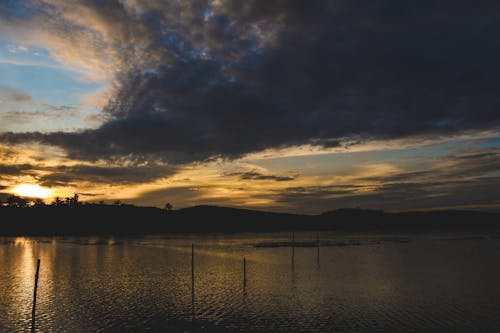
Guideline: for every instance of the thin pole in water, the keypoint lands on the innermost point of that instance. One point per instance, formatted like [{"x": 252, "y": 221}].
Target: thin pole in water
[
  {"x": 244, "y": 273},
  {"x": 293, "y": 251},
  {"x": 33, "y": 311},
  {"x": 317, "y": 244},
  {"x": 192, "y": 280}
]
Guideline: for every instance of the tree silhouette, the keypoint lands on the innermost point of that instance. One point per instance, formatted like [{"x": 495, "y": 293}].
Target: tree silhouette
[
  {"x": 38, "y": 203},
  {"x": 17, "y": 202},
  {"x": 168, "y": 206},
  {"x": 73, "y": 202},
  {"x": 57, "y": 202}
]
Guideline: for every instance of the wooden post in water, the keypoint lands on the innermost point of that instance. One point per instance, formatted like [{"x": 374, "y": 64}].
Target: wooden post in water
[
  {"x": 293, "y": 251},
  {"x": 317, "y": 244},
  {"x": 33, "y": 311},
  {"x": 192, "y": 280},
  {"x": 244, "y": 273}
]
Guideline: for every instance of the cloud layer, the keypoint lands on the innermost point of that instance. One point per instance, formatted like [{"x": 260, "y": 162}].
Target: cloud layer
[
  {"x": 193, "y": 80},
  {"x": 464, "y": 178}
]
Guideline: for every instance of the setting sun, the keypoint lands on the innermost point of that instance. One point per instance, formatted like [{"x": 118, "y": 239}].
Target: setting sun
[{"x": 32, "y": 191}]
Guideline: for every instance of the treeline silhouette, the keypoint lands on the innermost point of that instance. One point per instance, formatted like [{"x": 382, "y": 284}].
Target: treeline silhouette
[
  {"x": 69, "y": 216},
  {"x": 15, "y": 201}
]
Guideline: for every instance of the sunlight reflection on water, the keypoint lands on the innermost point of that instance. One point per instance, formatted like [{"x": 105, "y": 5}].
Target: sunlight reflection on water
[{"x": 431, "y": 283}]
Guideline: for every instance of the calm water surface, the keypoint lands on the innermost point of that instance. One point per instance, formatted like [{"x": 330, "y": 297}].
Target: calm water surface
[{"x": 360, "y": 283}]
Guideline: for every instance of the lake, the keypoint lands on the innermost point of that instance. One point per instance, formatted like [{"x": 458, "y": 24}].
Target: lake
[{"x": 351, "y": 283}]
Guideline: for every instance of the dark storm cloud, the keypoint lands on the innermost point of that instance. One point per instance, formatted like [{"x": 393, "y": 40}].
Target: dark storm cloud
[
  {"x": 15, "y": 169},
  {"x": 67, "y": 175},
  {"x": 231, "y": 78},
  {"x": 64, "y": 175},
  {"x": 254, "y": 175}
]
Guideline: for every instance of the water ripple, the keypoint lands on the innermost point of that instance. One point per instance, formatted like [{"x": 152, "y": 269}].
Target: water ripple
[{"x": 384, "y": 283}]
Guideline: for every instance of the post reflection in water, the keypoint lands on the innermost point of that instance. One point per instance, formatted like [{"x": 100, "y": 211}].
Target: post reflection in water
[{"x": 137, "y": 284}]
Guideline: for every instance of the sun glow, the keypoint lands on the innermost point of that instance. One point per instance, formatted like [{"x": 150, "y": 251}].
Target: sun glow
[{"x": 32, "y": 191}]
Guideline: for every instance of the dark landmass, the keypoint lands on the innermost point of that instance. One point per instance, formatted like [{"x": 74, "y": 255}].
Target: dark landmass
[{"x": 99, "y": 219}]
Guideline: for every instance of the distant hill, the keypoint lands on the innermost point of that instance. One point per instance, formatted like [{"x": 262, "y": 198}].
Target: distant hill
[{"x": 97, "y": 219}]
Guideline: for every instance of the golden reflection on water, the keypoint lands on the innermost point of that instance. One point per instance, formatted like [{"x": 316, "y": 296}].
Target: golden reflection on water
[
  {"x": 26, "y": 252},
  {"x": 218, "y": 271},
  {"x": 111, "y": 241},
  {"x": 23, "y": 271},
  {"x": 22, "y": 241}
]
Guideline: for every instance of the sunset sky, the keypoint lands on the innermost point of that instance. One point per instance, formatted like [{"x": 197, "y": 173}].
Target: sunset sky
[{"x": 281, "y": 105}]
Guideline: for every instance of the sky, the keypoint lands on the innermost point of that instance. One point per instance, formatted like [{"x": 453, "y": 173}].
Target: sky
[{"x": 280, "y": 105}]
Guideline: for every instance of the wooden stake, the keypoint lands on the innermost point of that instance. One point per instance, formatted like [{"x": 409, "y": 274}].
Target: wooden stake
[
  {"x": 244, "y": 273},
  {"x": 33, "y": 311},
  {"x": 192, "y": 280},
  {"x": 317, "y": 244}
]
